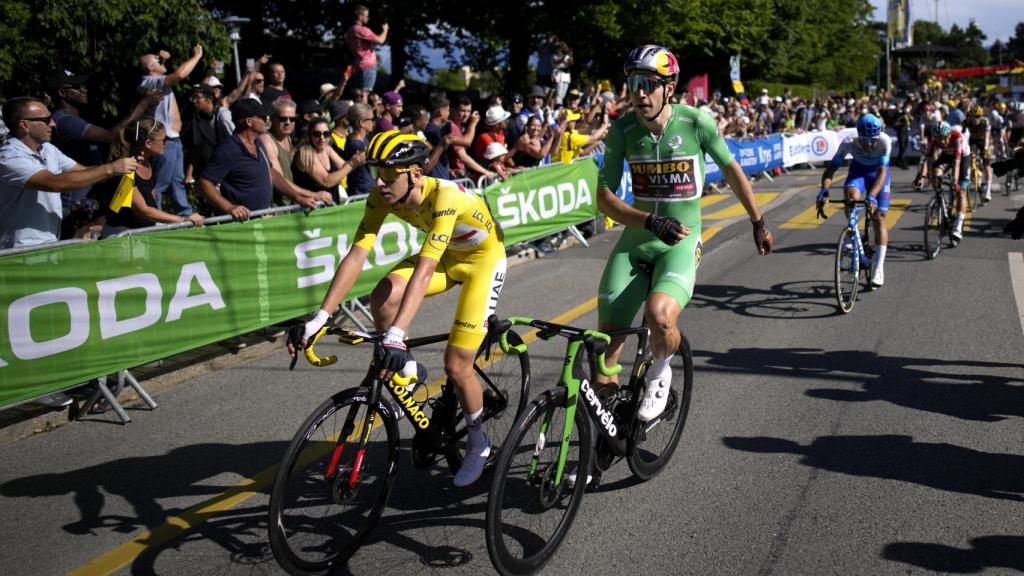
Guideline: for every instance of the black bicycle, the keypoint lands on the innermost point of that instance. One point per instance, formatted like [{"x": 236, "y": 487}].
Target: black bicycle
[
  {"x": 336, "y": 475},
  {"x": 550, "y": 456},
  {"x": 940, "y": 218}
]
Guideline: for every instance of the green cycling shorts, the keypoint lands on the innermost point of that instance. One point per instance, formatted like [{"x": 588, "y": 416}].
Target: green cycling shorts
[{"x": 624, "y": 285}]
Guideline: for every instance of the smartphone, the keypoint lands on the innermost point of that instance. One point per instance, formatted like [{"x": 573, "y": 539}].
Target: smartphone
[
  {"x": 348, "y": 72},
  {"x": 218, "y": 67},
  {"x": 250, "y": 64}
]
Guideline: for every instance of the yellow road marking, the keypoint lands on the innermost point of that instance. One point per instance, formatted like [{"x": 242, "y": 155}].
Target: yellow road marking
[
  {"x": 708, "y": 233},
  {"x": 808, "y": 219},
  {"x": 706, "y": 201},
  {"x": 737, "y": 209},
  {"x": 175, "y": 526},
  {"x": 896, "y": 209}
]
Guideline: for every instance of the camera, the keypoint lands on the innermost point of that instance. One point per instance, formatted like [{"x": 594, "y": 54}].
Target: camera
[{"x": 1003, "y": 166}]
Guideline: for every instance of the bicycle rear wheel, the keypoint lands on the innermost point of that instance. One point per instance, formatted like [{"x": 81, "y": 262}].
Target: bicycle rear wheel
[
  {"x": 650, "y": 449},
  {"x": 318, "y": 519},
  {"x": 933, "y": 227},
  {"x": 974, "y": 194},
  {"x": 528, "y": 513},
  {"x": 847, "y": 271},
  {"x": 506, "y": 382}
]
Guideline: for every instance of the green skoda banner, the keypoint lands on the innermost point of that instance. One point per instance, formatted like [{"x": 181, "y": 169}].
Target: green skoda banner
[
  {"x": 538, "y": 202},
  {"x": 76, "y": 312}
]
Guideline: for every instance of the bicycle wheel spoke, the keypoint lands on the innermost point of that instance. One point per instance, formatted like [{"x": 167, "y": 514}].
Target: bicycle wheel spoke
[
  {"x": 655, "y": 443},
  {"x": 847, "y": 270}
]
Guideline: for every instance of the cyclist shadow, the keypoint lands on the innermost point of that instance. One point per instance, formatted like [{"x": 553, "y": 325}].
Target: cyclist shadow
[
  {"x": 181, "y": 473},
  {"x": 986, "y": 551},
  {"x": 925, "y": 384},
  {"x": 895, "y": 457},
  {"x": 797, "y": 300}
]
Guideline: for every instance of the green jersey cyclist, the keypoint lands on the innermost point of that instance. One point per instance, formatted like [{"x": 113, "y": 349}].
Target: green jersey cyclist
[{"x": 664, "y": 145}]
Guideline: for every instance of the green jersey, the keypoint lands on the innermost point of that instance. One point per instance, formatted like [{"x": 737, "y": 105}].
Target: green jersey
[{"x": 667, "y": 170}]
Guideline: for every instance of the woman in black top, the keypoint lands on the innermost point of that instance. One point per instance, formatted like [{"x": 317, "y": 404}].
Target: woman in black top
[
  {"x": 144, "y": 139},
  {"x": 535, "y": 143},
  {"x": 317, "y": 166}
]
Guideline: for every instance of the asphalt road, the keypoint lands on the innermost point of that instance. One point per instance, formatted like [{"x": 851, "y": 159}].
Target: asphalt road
[{"x": 885, "y": 441}]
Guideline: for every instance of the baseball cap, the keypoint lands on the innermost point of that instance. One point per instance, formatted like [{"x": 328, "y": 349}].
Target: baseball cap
[
  {"x": 212, "y": 81},
  {"x": 572, "y": 116},
  {"x": 327, "y": 87},
  {"x": 309, "y": 106},
  {"x": 495, "y": 114},
  {"x": 339, "y": 109},
  {"x": 66, "y": 78},
  {"x": 204, "y": 89},
  {"x": 391, "y": 98},
  {"x": 248, "y": 108},
  {"x": 535, "y": 92}
]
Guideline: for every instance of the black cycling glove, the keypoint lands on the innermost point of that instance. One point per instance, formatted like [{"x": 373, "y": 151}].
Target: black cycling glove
[{"x": 665, "y": 228}]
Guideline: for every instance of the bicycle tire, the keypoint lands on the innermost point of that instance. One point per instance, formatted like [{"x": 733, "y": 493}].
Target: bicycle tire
[
  {"x": 974, "y": 194},
  {"x": 512, "y": 545},
  {"x": 933, "y": 228},
  {"x": 506, "y": 382},
  {"x": 644, "y": 443},
  {"x": 847, "y": 271},
  {"x": 338, "y": 531}
]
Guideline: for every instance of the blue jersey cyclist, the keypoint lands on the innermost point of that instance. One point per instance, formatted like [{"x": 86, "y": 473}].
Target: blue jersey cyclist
[{"x": 868, "y": 179}]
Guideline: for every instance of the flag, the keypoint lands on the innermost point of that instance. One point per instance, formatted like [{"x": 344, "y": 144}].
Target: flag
[{"x": 123, "y": 195}]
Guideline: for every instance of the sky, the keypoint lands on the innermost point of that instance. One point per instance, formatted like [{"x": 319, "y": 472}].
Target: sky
[{"x": 996, "y": 18}]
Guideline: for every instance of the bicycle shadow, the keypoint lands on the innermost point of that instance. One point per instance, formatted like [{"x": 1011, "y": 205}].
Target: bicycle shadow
[
  {"x": 939, "y": 466},
  {"x": 925, "y": 384},
  {"x": 796, "y": 300},
  {"x": 984, "y": 552}
]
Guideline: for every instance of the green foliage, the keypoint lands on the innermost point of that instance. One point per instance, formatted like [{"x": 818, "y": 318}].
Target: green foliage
[
  {"x": 969, "y": 42},
  {"x": 101, "y": 37},
  {"x": 1015, "y": 45}
]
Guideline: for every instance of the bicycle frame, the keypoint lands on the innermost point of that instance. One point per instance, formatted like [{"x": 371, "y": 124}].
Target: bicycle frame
[{"x": 405, "y": 405}]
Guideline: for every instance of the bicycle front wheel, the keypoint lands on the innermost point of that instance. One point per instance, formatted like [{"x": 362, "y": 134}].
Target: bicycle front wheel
[
  {"x": 652, "y": 446},
  {"x": 319, "y": 516},
  {"x": 933, "y": 226},
  {"x": 528, "y": 511},
  {"x": 847, "y": 271}
]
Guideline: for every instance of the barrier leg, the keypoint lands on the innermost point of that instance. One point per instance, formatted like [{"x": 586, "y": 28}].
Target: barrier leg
[
  {"x": 349, "y": 310},
  {"x": 578, "y": 235},
  {"x": 109, "y": 396},
  {"x": 125, "y": 376},
  {"x": 768, "y": 176}
]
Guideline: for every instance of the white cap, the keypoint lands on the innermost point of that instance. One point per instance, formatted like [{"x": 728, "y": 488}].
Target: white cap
[
  {"x": 327, "y": 87},
  {"x": 495, "y": 114},
  {"x": 212, "y": 81},
  {"x": 494, "y": 149}
]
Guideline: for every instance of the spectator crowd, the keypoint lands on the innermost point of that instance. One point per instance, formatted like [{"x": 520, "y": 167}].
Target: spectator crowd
[{"x": 196, "y": 150}]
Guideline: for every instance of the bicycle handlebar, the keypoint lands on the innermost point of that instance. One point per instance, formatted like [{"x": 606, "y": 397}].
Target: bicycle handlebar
[
  {"x": 596, "y": 342},
  {"x": 311, "y": 356},
  {"x": 352, "y": 338}
]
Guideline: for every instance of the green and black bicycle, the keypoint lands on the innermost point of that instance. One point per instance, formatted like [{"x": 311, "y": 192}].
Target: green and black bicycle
[{"x": 551, "y": 456}]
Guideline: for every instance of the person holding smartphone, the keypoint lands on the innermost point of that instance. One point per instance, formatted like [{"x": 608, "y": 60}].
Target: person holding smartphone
[{"x": 361, "y": 42}]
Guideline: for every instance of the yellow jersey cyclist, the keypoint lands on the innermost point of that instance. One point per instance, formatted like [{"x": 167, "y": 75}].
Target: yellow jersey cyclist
[
  {"x": 664, "y": 145},
  {"x": 462, "y": 246}
]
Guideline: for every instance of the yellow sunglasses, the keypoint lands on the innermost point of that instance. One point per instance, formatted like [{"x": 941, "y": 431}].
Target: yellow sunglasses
[{"x": 388, "y": 175}]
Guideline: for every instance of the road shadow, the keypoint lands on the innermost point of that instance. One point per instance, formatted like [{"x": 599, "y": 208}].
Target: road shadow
[
  {"x": 796, "y": 300},
  {"x": 926, "y": 384},
  {"x": 985, "y": 552},
  {"x": 892, "y": 457}
]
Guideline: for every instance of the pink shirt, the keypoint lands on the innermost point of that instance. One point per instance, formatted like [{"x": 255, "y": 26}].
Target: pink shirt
[{"x": 361, "y": 41}]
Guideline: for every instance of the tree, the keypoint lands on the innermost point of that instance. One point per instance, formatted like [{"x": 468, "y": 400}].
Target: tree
[
  {"x": 102, "y": 37},
  {"x": 1015, "y": 45}
]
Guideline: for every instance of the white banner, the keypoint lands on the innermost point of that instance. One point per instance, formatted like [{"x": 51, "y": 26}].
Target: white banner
[{"x": 822, "y": 146}]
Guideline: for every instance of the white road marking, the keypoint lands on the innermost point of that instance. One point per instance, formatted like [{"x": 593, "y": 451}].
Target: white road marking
[{"x": 1017, "y": 279}]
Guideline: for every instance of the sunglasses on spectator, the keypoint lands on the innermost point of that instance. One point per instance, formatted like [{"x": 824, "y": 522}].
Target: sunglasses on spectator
[
  {"x": 319, "y": 133},
  {"x": 286, "y": 119},
  {"x": 648, "y": 84},
  {"x": 258, "y": 81},
  {"x": 387, "y": 175},
  {"x": 43, "y": 119}
]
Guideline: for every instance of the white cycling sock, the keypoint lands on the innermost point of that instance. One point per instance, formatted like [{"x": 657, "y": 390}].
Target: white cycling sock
[
  {"x": 660, "y": 368},
  {"x": 477, "y": 437},
  {"x": 959, "y": 221},
  {"x": 988, "y": 187},
  {"x": 880, "y": 257}
]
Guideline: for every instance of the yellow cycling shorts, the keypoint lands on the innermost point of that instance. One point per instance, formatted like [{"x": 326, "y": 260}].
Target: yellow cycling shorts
[{"x": 482, "y": 277}]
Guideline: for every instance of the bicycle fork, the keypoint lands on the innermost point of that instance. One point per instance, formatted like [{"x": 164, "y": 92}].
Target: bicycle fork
[{"x": 572, "y": 395}]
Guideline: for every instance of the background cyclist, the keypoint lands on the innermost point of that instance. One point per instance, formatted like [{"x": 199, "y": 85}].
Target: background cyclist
[
  {"x": 947, "y": 148},
  {"x": 462, "y": 246},
  {"x": 980, "y": 141},
  {"x": 665, "y": 146},
  {"x": 869, "y": 174}
]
